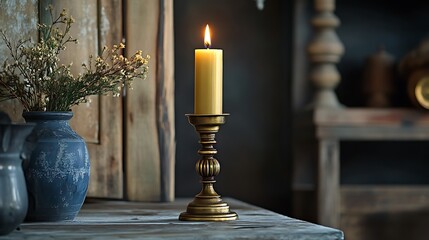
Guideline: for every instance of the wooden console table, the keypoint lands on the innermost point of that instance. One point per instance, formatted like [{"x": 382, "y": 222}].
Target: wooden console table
[
  {"x": 330, "y": 126},
  {"x": 129, "y": 220},
  {"x": 319, "y": 130}
]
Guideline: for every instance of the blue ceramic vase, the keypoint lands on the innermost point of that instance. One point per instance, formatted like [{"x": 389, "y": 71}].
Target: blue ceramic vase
[
  {"x": 13, "y": 193},
  {"x": 57, "y": 170}
]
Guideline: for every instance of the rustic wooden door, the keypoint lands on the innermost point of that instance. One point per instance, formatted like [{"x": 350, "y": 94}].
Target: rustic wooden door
[{"x": 140, "y": 165}]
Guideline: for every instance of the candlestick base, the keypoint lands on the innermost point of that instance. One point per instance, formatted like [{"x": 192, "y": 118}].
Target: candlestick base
[{"x": 207, "y": 205}]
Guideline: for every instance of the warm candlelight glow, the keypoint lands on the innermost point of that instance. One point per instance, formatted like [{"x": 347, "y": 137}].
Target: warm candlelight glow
[
  {"x": 208, "y": 78},
  {"x": 207, "y": 41}
]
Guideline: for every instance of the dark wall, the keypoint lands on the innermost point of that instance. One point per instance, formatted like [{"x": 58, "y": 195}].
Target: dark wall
[{"x": 254, "y": 144}]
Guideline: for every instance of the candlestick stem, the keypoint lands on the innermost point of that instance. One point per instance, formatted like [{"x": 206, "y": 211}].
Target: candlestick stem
[{"x": 207, "y": 205}]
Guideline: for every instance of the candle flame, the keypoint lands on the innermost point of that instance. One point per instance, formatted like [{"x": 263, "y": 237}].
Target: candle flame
[{"x": 207, "y": 41}]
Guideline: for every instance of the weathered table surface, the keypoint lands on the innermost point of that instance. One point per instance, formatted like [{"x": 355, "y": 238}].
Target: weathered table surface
[{"x": 129, "y": 220}]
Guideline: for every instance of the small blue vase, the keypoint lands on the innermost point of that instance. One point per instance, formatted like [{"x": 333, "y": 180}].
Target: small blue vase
[
  {"x": 57, "y": 171},
  {"x": 13, "y": 193}
]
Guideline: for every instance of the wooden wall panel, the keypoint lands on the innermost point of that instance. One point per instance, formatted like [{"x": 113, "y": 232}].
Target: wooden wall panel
[
  {"x": 142, "y": 154},
  {"x": 107, "y": 156},
  {"x": 165, "y": 100},
  {"x": 85, "y": 30},
  {"x": 149, "y": 113},
  {"x": 19, "y": 20},
  {"x": 150, "y": 146},
  {"x": 99, "y": 122}
]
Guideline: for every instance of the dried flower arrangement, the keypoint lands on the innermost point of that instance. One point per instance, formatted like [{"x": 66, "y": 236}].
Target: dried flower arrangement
[{"x": 34, "y": 76}]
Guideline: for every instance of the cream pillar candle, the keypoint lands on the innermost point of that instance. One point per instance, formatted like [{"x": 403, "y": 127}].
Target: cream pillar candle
[{"x": 208, "y": 79}]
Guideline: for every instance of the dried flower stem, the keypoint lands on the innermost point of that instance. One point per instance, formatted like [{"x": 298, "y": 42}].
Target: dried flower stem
[{"x": 34, "y": 77}]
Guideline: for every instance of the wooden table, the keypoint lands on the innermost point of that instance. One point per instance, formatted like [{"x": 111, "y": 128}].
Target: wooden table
[
  {"x": 335, "y": 125},
  {"x": 128, "y": 220}
]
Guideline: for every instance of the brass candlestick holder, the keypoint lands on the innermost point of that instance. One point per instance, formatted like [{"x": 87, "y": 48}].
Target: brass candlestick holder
[{"x": 207, "y": 205}]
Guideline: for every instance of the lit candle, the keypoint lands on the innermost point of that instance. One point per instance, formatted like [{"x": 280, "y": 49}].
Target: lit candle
[{"x": 208, "y": 79}]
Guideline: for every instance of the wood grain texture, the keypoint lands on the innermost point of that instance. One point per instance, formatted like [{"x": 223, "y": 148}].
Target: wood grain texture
[
  {"x": 375, "y": 133},
  {"x": 142, "y": 163},
  {"x": 328, "y": 191},
  {"x": 372, "y": 124},
  {"x": 19, "y": 21},
  {"x": 150, "y": 106},
  {"x": 364, "y": 199},
  {"x": 371, "y": 117},
  {"x": 385, "y": 212},
  {"x": 334, "y": 125},
  {"x": 106, "y": 155},
  {"x": 85, "y": 30},
  {"x": 165, "y": 99},
  {"x": 100, "y": 121},
  {"x": 127, "y": 220},
  {"x": 387, "y": 225}
]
